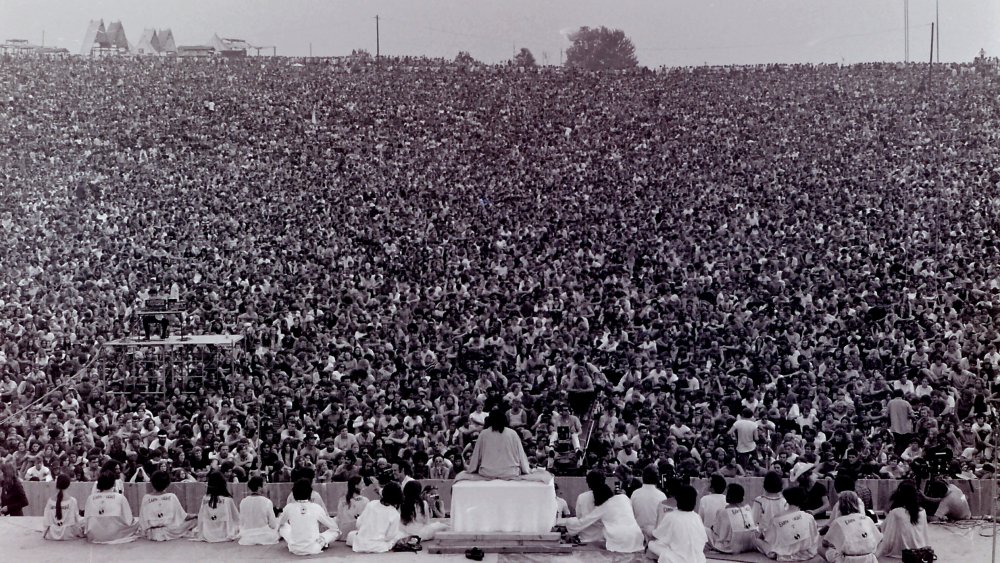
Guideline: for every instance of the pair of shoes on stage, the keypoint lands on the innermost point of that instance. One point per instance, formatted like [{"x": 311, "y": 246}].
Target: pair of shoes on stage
[{"x": 475, "y": 554}]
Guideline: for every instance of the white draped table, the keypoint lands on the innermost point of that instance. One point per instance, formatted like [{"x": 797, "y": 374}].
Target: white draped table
[{"x": 503, "y": 506}]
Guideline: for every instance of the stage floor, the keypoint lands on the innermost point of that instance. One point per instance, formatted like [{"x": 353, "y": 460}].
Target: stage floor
[{"x": 21, "y": 540}]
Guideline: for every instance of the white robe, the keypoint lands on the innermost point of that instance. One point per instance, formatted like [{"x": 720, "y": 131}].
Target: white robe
[
  {"x": 621, "y": 532},
  {"x": 69, "y": 527},
  {"x": 299, "y": 526},
  {"x": 791, "y": 537},
  {"x": 679, "y": 538},
  {"x": 219, "y": 524},
  {"x": 422, "y": 526},
  {"x": 855, "y": 538},
  {"x": 162, "y": 518},
  {"x": 709, "y": 506},
  {"x": 378, "y": 529},
  {"x": 899, "y": 534},
  {"x": 765, "y": 508},
  {"x": 584, "y": 506},
  {"x": 347, "y": 514},
  {"x": 646, "y": 506},
  {"x": 734, "y": 530},
  {"x": 109, "y": 518},
  {"x": 258, "y": 524}
]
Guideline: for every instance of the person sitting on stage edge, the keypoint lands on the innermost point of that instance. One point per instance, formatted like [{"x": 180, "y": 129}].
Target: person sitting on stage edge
[
  {"x": 108, "y": 515},
  {"x": 498, "y": 454},
  {"x": 218, "y": 519},
  {"x": 61, "y": 520},
  {"x": 379, "y": 524},
  {"x": 161, "y": 516},
  {"x": 853, "y": 537},
  {"x": 793, "y": 536},
  {"x": 621, "y": 532},
  {"x": 258, "y": 524},
  {"x": 299, "y": 523},
  {"x": 680, "y": 535}
]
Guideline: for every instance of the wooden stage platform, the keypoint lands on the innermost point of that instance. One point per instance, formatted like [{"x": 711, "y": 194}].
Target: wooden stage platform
[
  {"x": 21, "y": 542},
  {"x": 189, "y": 340}
]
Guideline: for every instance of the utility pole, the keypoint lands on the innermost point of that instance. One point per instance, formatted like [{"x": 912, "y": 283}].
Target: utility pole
[
  {"x": 906, "y": 30},
  {"x": 932, "y": 45},
  {"x": 378, "y": 43},
  {"x": 310, "y": 50},
  {"x": 937, "y": 21},
  {"x": 43, "y": 38}
]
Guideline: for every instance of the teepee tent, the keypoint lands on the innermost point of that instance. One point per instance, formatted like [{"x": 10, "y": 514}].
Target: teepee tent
[
  {"x": 116, "y": 36},
  {"x": 166, "y": 41},
  {"x": 96, "y": 38},
  {"x": 149, "y": 43}
]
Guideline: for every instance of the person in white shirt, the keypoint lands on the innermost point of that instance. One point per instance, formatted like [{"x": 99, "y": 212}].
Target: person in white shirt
[
  {"x": 61, "y": 519},
  {"x": 646, "y": 501},
  {"x": 709, "y": 505},
  {"x": 108, "y": 514},
  {"x": 379, "y": 524},
  {"x": 218, "y": 518},
  {"x": 793, "y": 535},
  {"x": 258, "y": 524},
  {"x": 745, "y": 429},
  {"x": 415, "y": 514},
  {"x": 161, "y": 516},
  {"x": 38, "y": 472},
  {"x": 733, "y": 530},
  {"x": 585, "y": 505},
  {"x": 770, "y": 504},
  {"x": 853, "y": 537},
  {"x": 310, "y": 474},
  {"x": 300, "y": 521},
  {"x": 621, "y": 531},
  {"x": 680, "y": 536}
]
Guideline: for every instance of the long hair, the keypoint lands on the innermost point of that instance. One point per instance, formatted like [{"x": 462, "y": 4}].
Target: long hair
[
  {"x": 392, "y": 495},
  {"x": 411, "y": 502},
  {"x": 848, "y": 503},
  {"x": 353, "y": 488},
  {"x": 496, "y": 420},
  {"x": 62, "y": 483},
  {"x": 905, "y": 496},
  {"x": 8, "y": 474},
  {"x": 216, "y": 488}
]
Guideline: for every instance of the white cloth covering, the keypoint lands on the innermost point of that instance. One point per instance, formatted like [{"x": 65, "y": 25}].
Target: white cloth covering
[
  {"x": 378, "y": 529},
  {"x": 679, "y": 537},
  {"x": 734, "y": 530},
  {"x": 646, "y": 506},
  {"x": 163, "y": 518},
  {"x": 299, "y": 526},
  {"x": 854, "y": 539},
  {"x": 69, "y": 527},
  {"x": 219, "y": 524},
  {"x": 258, "y": 524},
  {"x": 621, "y": 532},
  {"x": 526, "y": 507},
  {"x": 109, "y": 519}
]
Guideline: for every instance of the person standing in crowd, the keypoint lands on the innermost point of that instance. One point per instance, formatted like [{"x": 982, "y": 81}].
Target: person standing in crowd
[
  {"x": 258, "y": 524},
  {"x": 646, "y": 500},
  {"x": 614, "y": 511},
  {"x": 161, "y": 516},
  {"x": 733, "y": 529},
  {"x": 218, "y": 518},
  {"x": 300, "y": 521},
  {"x": 745, "y": 429},
  {"x": 680, "y": 535},
  {"x": 108, "y": 516},
  {"x": 900, "y": 414},
  {"x": 61, "y": 520},
  {"x": 852, "y": 537},
  {"x": 905, "y": 525}
]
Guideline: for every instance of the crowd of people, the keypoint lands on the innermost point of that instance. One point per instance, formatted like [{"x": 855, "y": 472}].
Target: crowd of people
[{"x": 729, "y": 271}]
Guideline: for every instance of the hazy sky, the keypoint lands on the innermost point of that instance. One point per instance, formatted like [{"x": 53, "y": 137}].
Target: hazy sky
[{"x": 665, "y": 32}]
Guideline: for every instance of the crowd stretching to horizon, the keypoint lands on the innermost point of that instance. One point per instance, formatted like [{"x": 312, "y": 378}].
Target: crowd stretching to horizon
[{"x": 724, "y": 271}]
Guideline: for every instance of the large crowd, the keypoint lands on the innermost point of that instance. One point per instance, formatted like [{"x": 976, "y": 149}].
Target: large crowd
[{"x": 719, "y": 270}]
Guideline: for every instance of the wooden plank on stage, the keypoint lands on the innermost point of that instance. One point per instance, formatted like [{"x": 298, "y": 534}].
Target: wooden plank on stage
[
  {"x": 495, "y": 536},
  {"x": 487, "y": 548},
  {"x": 189, "y": 340}
]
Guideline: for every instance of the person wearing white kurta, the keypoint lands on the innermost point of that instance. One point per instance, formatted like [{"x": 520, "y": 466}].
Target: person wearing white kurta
[
  {"x": 162, "y": 518},
  {"x": 679, "y": 536},
  {"x": 621, "y": 532},
  {"x": 584, "y": 506},
  {"x": 419, "y": 522},
  {"x": 734, "y": 529},
  {"x": 499, "y": 454},
  {"x": 108, "y": 515},
  {"x": 770, "y": 504},
  {"x": 61, "y": 519},
  {"x": 646, "y": 501},
  {"x": 899, "y": 533},
  {"x": 350, "y": 506},
  {"x": 258, "y": 524},
  {"x": 710, "y": 504},
  {"x": 852, "y": 537},
  {"x": 315, "y": 497},
  {"x": 379, "y": 524},
  {"x": 218, "y": 518},
  {"x": 299, "y": 523}
]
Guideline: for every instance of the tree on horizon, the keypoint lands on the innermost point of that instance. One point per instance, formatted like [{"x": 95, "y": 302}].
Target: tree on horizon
[{"x": 601, "y": 49}]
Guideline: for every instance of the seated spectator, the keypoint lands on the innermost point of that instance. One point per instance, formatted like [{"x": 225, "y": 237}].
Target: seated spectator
[
  {"x": 710, "y": 504},
  {"x": 852, "y": 537},
  {"x": 680, "y": 536},
  {"x": 300, "y": 521},
  {"x": 258, "y": 524},
  {"x": 766, "y": 507},
  {"x": 733, "y": 529},
  {"x": 905, "y": 525},
  {"x": 415, "y": 514},
  {"x": 646, "y": 500},
  {"x": 218, "y": 518},
  {"x": 379, "y": 526},
  {"x": 38, "y": 471},
  {"x": 620, "y": 531},
  {"x": 161, "y": 516},
  {"x": 947, "y": 501},
  {"x": 61, "y": 519},
  {"x": 108, "y": 516},
  {"x": 350, "y": 507},
  {"x": 792, "y": 535}
]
